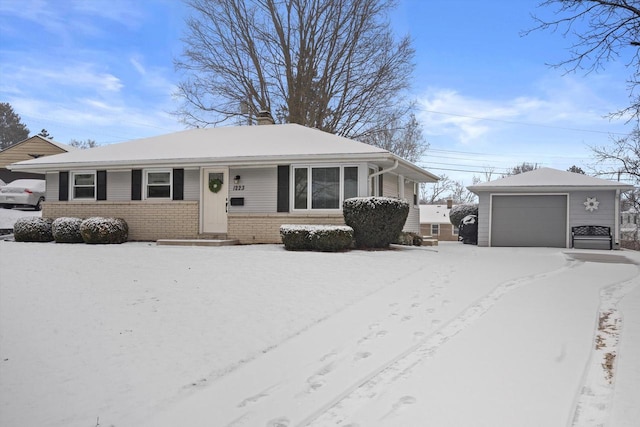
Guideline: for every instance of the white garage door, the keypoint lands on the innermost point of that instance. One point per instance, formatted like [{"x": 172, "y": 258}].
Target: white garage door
[{"x": 525, "y": 220}]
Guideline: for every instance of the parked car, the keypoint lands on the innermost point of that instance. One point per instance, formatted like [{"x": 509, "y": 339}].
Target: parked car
[{"x": 24, "y": 193}]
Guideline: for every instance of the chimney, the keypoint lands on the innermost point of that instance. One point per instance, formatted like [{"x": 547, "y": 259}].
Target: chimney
[
  {"x": 449, "y": 203},
  {"x": 264, "y": 118}
]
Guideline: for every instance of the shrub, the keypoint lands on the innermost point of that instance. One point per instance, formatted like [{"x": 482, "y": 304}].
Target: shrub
[
  {"x": 376, "y": 221},
  {"x": 67, "y": 230},
  {"x": 323, "y": 238},
  {"x": 409, "y": 239},
  {"x": 460, "y": 211},
  {"x": 32, "y": 229},
  {"x": 98, "y": 230}
]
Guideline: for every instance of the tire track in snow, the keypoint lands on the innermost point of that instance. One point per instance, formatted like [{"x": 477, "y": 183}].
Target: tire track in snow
[
  {"x": 593, "y": 402},
  {"x": 340, "y": 408}
]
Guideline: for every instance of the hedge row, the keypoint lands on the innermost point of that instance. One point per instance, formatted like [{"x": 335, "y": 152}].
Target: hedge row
[
  {"x": 94, "y": 230},
  {"x": 323, "y": 238}
]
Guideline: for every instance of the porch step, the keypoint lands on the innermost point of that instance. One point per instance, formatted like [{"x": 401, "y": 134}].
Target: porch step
[
  {"x": 429, "y": 242},
  {"x": 197, "y": 242}
]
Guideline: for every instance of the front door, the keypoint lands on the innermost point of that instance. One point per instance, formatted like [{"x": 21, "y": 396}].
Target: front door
[{"x": 215, "y": 191}]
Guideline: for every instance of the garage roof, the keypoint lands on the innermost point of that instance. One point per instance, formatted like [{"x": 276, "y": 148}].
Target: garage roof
[{"x": 548, "y": 179}]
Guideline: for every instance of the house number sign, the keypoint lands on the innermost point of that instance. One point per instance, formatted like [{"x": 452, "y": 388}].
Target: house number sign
[{"x": 238, "y": 188}]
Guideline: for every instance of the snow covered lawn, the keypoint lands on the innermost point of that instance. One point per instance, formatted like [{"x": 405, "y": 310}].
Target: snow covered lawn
[{"x": 454, "y": 335}]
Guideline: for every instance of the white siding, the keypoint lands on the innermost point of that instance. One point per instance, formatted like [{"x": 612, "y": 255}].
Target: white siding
[
  {"x": 390, "y": 185},
  {"x": 258, "y": 187},
  {"x": 52, "y": 189},
  {"x": 604, "y": 215},
  {"x": 413, "y": 220},
  {"x": 192, "y": 184},
  {"x": 483, "y": 218},
  {"x": 119, "y": 186}
]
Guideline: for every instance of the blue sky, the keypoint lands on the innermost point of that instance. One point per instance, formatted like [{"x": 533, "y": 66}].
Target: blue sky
[{"x": 103, "y": 70}]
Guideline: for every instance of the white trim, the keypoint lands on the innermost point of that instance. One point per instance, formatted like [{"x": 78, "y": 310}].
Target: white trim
[
  {"x": 145, "y": 183},
  {"x": 568, "y": 232},
  {"x": 72, "y": 185}
]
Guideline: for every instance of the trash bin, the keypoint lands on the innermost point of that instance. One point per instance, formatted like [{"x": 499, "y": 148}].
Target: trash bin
[{"x": 468, "y": 230}]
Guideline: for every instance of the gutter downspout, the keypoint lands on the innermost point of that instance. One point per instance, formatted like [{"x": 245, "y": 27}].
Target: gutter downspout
[
  {"x": 375, "y": 174},
  {"x": 395, "y": 166}
]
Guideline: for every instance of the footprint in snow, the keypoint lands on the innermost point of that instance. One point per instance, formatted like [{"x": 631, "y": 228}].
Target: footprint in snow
[
  {"x": 278, "y": 422},
  {"x": 361, "y": 355}
]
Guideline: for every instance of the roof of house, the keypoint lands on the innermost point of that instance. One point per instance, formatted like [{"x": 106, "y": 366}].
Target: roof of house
[
  {"x": 434, "y": 214},
  {"x": 546, "y": 179},
  {"x": 229, "y": 146},
  {"x": 60, "y": 145}
]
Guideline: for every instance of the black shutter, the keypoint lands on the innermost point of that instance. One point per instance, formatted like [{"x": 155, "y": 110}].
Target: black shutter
[
  {"x": 178, "y": 184},
  {"x": 283, "y": 188},
  {"x": 101, "y": 193},
  {"x": 380, "y": 185},
  {"x": 136, "y": 184},
  {"x": 63, "y": 186}
]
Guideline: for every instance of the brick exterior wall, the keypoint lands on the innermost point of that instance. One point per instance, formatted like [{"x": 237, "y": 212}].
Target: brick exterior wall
[
  {"x": 446, "y": 232},
  {"x": 148, "y": 221},
  {"x": 265, "y": 228}
]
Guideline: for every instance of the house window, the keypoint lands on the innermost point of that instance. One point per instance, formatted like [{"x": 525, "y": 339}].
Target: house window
[
  {"x": 435, "y": 229},
  {"x": 323, "y": 187},
  {"x": 456, "y": 231},
  {"x": 84, "y": 185},
  {"x": 158, "y": 184},
  {"x": 350, "y": 182}
]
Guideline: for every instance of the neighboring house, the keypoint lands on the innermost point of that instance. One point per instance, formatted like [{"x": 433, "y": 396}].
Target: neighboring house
[
  {"x": 233, "y": 182},
  {"x": 538, "y": 208},
  {"x": 434, "y": 222},
  {"x": 630, "y": 225},
  {"x": 30, "y": 148}
]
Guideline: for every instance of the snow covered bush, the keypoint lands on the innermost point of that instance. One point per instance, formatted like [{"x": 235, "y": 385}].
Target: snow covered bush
[
  {"x": 409, "y": 239},
  {"x": 323, "y": 238},
  {"x": 99, "y": 230},
  {"x": 460, "y": 211},
  {"x": 66, "y": 230},
  {"x": 32, "y": 229},
  {"x": 376, "y": 221}
]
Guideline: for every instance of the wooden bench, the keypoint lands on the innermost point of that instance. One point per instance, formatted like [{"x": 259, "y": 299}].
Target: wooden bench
[{"x": 591, "y": 233}]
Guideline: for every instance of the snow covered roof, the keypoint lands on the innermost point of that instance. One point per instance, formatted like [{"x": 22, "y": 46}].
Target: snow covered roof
[
  {"x": 546, "y": 179},
  {"x": 434, "y": 214},
  {"x": 239, "y": 145}
]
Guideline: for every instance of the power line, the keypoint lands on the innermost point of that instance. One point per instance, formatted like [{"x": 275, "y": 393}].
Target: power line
[{"x": 512, "y": 122}]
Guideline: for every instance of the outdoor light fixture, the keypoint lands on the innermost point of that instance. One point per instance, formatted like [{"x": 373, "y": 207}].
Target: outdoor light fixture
[{"x": 236, "y": 179}]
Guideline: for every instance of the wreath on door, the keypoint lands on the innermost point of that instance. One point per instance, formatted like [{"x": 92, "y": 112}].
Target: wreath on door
[{"x": 215, "y": 185}]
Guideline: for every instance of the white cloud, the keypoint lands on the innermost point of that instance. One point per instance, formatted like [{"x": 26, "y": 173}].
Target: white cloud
[{"x": 563, "y": 104}]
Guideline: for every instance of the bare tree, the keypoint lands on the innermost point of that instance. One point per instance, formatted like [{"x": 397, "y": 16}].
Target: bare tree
[
  {"x": 603, "y": 31},
  {"x": 522, "y": 168},
  {"x": 621, "y": 160},
  {"x": 436, "y": 192},
  {"x": 333, "y": 65},
  {"x": 446, "y": 189},
  {"x": 403, "y": 138},
  {"x": 89, "y": 143}
]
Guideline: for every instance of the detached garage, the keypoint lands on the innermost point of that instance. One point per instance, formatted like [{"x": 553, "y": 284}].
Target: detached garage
[{"x": 540, "y": 207}]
